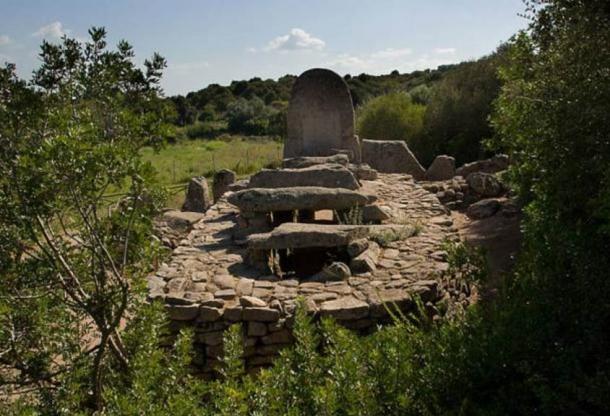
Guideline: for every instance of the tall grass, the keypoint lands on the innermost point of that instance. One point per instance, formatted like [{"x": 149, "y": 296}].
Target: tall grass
[{"x": 177, "y": 163}]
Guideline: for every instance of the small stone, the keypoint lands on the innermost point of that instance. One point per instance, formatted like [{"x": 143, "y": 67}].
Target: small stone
[
  {"x": 483, "y": 209},
  {"x": 182, "y": 312},
  {"x": 209, "y": 314},
  {"x": 356, "y": 247},
  {"x": 346, "y": 308},
  {"x": 197, "y": 195},
  {"x": 244, "y": 287},
  {"x": 256, "y": 329},
  {"x": 224, "y": 281},
  {"x": 374, "y": 214},
  {"x": 178, "y": 284},
  {"x": 233, "y": 313},
  {"x": 261, "y": 314},
  {"x": 225, "y": 294},
  {"x": 484, "y": 184},
  {"x": 441, "y": 169},
  {"x": 223, "y": 179},
  {"x": 210, "y": 338},
  {"x": 279, "y": 337},
  {"x": 250, "y": 301},
  {"x": 214, "y": 303}
]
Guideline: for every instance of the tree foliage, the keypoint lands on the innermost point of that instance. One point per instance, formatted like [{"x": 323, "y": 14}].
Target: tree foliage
[
  {"x": 391, "y": 117},
  {"x": 457, "y": 112},
  {"x": 70, "y": 260}
]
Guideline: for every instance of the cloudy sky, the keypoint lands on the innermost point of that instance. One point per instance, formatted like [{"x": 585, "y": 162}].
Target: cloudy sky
[{"x": 216, "y": 41}]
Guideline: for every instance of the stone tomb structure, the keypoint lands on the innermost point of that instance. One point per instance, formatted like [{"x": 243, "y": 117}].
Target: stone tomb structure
[
  {"x": 321, "y": 117},
  {"x": 350, "y": 242},
  {"x": 257, "y": 251}
]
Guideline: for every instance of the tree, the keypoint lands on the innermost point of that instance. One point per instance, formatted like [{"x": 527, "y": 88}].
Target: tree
[
  {"x": 456, "y": 120},
  {"x": 391, "y": 117},
  {"x": 186, "y": 112},
  {"x": 71, "y": 260},
  {"x": 249, "y": 116}
]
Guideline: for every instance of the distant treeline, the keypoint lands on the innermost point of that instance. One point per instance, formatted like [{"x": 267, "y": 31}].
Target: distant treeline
[{"x": 457, "y": 100}]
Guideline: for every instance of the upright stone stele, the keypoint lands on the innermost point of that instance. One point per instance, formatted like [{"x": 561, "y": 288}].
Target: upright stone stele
[
  {"x": 320, "y": 117},
  {"x": 222, "y": 180},
  {"x": 197, "y": 195}
]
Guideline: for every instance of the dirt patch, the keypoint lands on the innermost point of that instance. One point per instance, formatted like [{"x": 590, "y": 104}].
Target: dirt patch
[{"x": 500, "y": 237}]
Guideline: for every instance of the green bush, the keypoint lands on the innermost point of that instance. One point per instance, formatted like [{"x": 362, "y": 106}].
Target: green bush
[
  {"x": 391, "y": 117},
  {"x": 458, "y": 109},
  {"x": 205, "y": 130}
]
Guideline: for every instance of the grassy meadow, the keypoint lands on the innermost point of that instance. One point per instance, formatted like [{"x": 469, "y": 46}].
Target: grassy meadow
[{"x": 177, "y": 163}]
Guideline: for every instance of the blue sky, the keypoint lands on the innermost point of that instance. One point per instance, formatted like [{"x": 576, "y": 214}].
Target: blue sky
[{"x": 216, "y": 41}]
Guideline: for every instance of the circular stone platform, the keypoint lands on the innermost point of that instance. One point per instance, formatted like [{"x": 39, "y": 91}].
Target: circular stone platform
[{"x": 208, "y": 285}]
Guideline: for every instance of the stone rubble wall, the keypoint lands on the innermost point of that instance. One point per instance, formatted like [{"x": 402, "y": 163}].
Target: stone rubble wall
[{"x": 207, "y": 285}]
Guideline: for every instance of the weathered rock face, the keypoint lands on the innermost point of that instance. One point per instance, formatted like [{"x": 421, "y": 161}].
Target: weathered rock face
[
  {"x": 366, "y": 261},
  {"x": 484, "y": 184},
  {"x": 363, "y": 171},
  {"x": 441, "y": 169},
  {"x": 307, "y": 161},
  {"x": 335, "y": 271},
  {"x": 197, "y": 195},
  {"x": 222, "y": 180},
  {"x": 374, "y": 214},
  {"x": 391, "y": 156},
  {"x": 495, "y": 164},
  {"x": 296, "y": 235},
  {"x": 483, "y": 209},
  {"x": 327, "y": 176},
  {"x": 299, "y": 198},
  {"x": 320, "y": 116}
]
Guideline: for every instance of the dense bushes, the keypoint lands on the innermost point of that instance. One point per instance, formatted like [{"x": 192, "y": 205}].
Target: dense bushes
[
  {"x": 457, "y": 113},
  {"x": 391, "y": 117}
]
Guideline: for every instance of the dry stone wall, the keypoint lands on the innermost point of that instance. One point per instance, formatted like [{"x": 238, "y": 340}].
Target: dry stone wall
[{"x": 208, "y": 285}]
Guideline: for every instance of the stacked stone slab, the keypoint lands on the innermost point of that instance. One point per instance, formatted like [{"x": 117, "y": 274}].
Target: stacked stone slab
[{"x": 289, "y": 198}]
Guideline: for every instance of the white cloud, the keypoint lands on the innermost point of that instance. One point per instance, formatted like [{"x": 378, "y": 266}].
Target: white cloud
[
  {"x": 4, "y": 40},
  {"x": 53, "y": 30},
  {"x": 297, "y": 39},
  {"x": 387, "y": 60},
  {"x": 251, "y": 50},
  {"x": 349, "y": 63},
  {"x": 445, "y": 51},
  {"x": 391, "y": 53}
]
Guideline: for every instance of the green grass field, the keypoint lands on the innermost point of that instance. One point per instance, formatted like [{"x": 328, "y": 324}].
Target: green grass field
[{"x": 177, "y": 163}]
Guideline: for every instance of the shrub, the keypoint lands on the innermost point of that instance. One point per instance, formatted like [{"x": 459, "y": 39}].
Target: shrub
[
  {"x": 456, "y": 119},
  {"x": 391, "y": 117}
]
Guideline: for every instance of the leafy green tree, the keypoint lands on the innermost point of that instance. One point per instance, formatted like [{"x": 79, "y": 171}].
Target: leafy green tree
[
  {"x": 186, "y": 112},
  {"x": 249, "y": 116},
  {"x": 71, "y": 261},
  {"x": 391, "y": 117},
  {"x": 456, "y": 120}
]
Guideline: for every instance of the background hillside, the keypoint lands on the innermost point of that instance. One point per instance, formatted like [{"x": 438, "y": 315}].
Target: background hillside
[{"x": 457, "y": 100}]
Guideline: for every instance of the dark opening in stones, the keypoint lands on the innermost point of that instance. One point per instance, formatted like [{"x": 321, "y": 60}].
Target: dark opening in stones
[
  {"x": 303, "y": 263},
  {"x": 325, "y": 216}
]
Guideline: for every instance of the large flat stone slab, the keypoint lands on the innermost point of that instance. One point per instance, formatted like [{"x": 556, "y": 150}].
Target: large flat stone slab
[
  {"x": 307, "y": 161},
  {"x": 297, "y": 235},
  {"x": 298, "y": 198},
  {"x": 326, "y": 176},
  {"x": 391, "y": 156}
]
